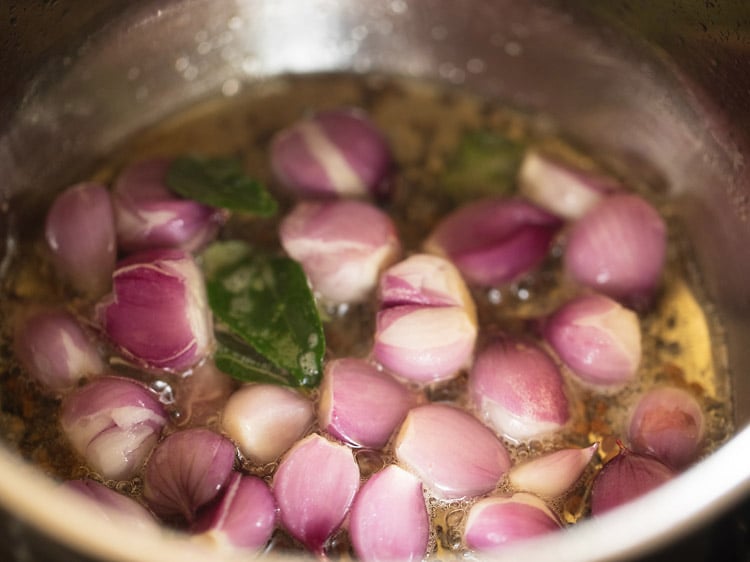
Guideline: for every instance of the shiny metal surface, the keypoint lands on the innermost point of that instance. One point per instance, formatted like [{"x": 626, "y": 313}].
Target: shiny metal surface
[{"x": 96, "y": 80}]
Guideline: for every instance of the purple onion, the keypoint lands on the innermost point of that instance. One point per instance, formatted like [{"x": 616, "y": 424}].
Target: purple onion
[
  {"x": 80, "y": 232},
  {"x": 561, "y": 189},
  {"x": 108, "y": 502},
  {"x": 667, "y": 423},
  {"x": 244, "y": 517},
  {"x": 618, "y": 248},
  {"x": 55, "y": 350},
  {"x": 342, "y": 245},
  {"x": 496, "y": 522},
  {"x": 453, "y": 454},
  {"x": 494, "y": 241},
  {"x": 626, "y": 477},
  {"x": 552, "y": 474},
  {"x": 425, "y": 280},
  {"x": 334, "y": 153},
  {"x": 186, "y": 471},
  {"x": 389, "y": 519},
  {"x": 148, "y": 215},
  {"x": 314, "y": 487},
  {"x": 518, "y": 390},
  {"x": 361, "y": 405},
  {"x": 265, "y": 420},
  {"x": 158, "y": 314},
  {"x": 425, "y": 344},
  {"x": 113, "y": 423},
  {"x": 597, "y": 338}
]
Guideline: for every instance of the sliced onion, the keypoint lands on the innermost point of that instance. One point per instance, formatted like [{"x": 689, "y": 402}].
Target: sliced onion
[
  {"x": 314, "y": 487},
  {"x": 626, "y": 477},
  {"x": 597, "y": 338},
  {"x": 265, "y": 420},
  {"x": 244, "y": 517},
  {"x": 360, "y": 404},
  {"x": 113, "y": 423},
  {"x": 494, "y": 241},
  {"x": 80, "y": 232},
  {"x": 553, "y": 474},
  {"x": 424, "y": 344},
  {"x": 618, "y": 248},
  {"x": 107, "y": 501},
  {"x": 561, "y": 189},
  {"x": 334, "y": 153},
  {"x": 55, "y": 350},
  {"x": 202, "y": 394},
  {"x": 518, "y": 390},
  {"x": 148, "y": 215},
  {"x": 453, "y": 454},
  {"x": 668, "y": 423},
  {"x": 186, "y": 471},
  {"x": 389, "y": 519},
  {"x": 494, "y": 523},
  {"x": 158, "y": 314}
]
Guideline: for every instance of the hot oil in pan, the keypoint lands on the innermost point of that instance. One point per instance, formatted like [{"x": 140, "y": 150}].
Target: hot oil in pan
[{"x": 425, "y": 126}]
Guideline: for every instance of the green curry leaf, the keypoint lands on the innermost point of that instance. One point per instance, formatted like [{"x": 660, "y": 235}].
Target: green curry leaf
[
  {"x": 219, "y": 182},
  {"x": 267, "y": 303},
  {"x": 485, "y": 163}
]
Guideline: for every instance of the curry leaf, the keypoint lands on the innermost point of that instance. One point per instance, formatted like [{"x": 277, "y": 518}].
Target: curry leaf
[
  {"x": 242, "y": 362},
  {"x": 219, "y": 182},
  {"x": 267, "y": 303},
  {"x": 485, "y": 163}
]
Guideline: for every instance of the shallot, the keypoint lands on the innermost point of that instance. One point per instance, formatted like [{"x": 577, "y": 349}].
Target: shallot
[
  {"x": 389, "y": 519},
  {"x": 494, "y": 241},
  {"x": 157, "y": 313},
  {"x": 552, "y": 474},
  {"x": 80, "y": 233},
  {"x": 55, "y": 349},
  {"x": 518, "y": 389},
  {"x": 113, "y": 422},
  {"x": 333, "y": 153},
  {"x": 453, "y": 454},
  {"x": 186, "y": 471},
  {"x": 342, "y": 245}
]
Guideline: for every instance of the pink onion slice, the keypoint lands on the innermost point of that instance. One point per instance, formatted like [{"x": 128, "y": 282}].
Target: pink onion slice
[
  {"x": 80, "y": 232},
  {"x": 361, "y": 405},
  {"x": 333, "y": 153},
  {"x": 494, "y": 241},
  {"x": 389, "y": 519},
  {"x": 148, "y": 215},
  {"x": 668, "y": 423},
  {"x": 113, "y": 423},
  {"x": 424, "y": 344},
  {"x": 427, "y": 280},
  {"x": 518, "y": 390},
  {"x": 55, "y": 350},
  {"x": 186, "y": 471},
  {"x": 244, "y": 517},
  {"x": 599, "y": 339},
  {"x": 618, "y": 248},
  {"x": 561, "y": 189},
  {"x": 626, "y": 477},
  {"x": 342, "y": 245},
  {"x": 314, "y": 487},
  {"x": 453, "y": 454},
  {"x": 109, "y": 501},
  {"x": 552, "y": 474},
  {"x": 265, "y": 420},
  {"x": 158, "y": 314},
  {"x": 496, "y": 522}
]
